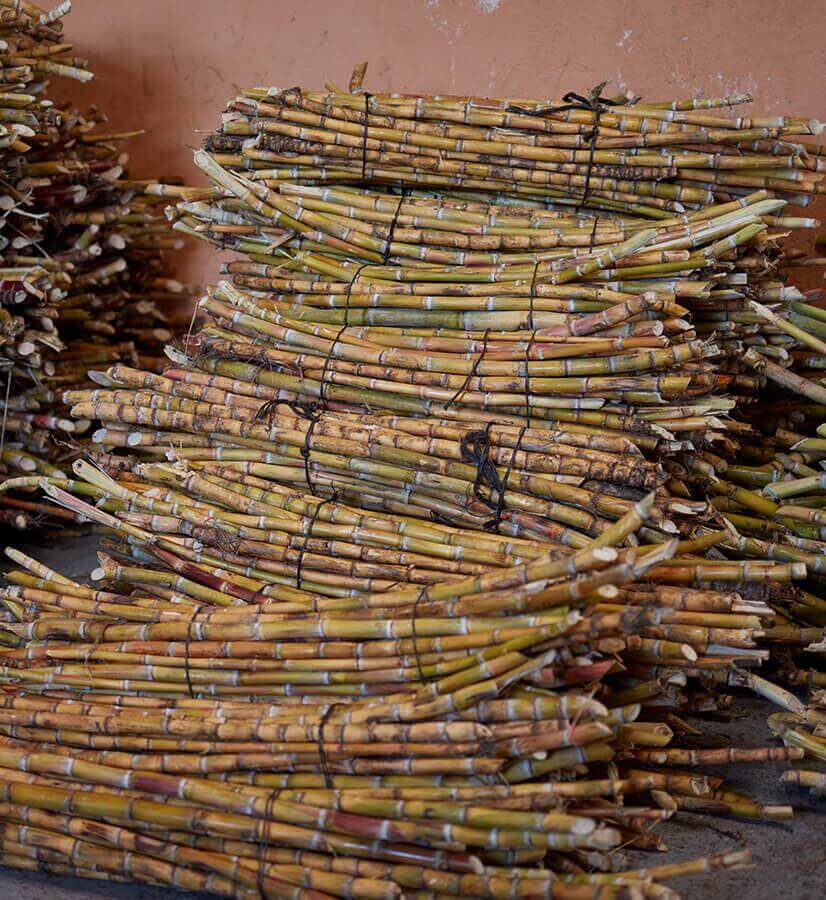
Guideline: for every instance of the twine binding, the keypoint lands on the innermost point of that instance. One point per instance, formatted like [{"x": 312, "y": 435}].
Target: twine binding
[
  {"x": 322, "y": 753},
  {"x": 493, "y": 525},
  {"x": 187, "y": 672},
  {"x": 472, "y": 372},
  {"x": 594, "y": 103},
  {"x": 367, "y": 97},
  {"x": 331, "y": 499},
  {"x": 262, "y": 839},
  {"x": 414, "y": 634},
  {"x": 388, "y": 243}
]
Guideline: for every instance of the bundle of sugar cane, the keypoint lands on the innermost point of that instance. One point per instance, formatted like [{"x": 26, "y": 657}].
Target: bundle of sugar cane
[
  {"x": 579, "y": 374},
  {"x": 618, "y": 155},
  {"x": 81, "y": 247},
  {"x": 218, "y": 542},
  {"x": 356, "y": 535},
  {"x": 556, "y": 485},
  {"x": 434, "y": 741},
  {"x": 648, "y": 322}
]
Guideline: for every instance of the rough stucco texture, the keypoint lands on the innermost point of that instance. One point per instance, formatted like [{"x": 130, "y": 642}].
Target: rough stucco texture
[{"x": 169, "y": 65}]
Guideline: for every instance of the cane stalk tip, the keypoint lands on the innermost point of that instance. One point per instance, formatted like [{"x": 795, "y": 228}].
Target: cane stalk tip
[{"x": 477, "y": 865}]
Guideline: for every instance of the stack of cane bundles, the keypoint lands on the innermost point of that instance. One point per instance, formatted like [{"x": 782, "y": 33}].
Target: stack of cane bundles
[
  {"x": 431, "y": 538},
  {"x": 81, "y": 251},
  {"x": 444, "y": 741}
]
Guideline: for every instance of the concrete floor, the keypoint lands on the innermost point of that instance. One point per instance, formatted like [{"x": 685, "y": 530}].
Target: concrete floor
[{"x": 789, "y": 860}]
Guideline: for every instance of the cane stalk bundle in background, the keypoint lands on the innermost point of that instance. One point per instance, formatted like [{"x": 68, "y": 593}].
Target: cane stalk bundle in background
[
  {"x": 775, "y": 497},
  {"x": 81, "y": 250}
]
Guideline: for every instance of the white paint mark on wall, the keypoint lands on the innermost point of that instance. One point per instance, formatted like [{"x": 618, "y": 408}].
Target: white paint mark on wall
[
  {"x": 487, "y": 6},
  {"x": 626, "y": 33},
  {"x": 451, "y": 32},
  {"x": 741, "y": 84}
]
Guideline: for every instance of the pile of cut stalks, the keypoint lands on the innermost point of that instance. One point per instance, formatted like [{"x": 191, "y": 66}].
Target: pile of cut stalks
[
  {"x": 493, "y": 466},
  {"x": 82, "y": 277}
]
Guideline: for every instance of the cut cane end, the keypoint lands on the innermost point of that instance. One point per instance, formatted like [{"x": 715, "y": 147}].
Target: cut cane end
[
  {"x": 605, "y": 554},
  {"x": 100, "y": 378}
]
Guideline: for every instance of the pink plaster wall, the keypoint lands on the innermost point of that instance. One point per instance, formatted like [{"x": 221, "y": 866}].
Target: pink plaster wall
[{"x": 169, "y": 65}]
